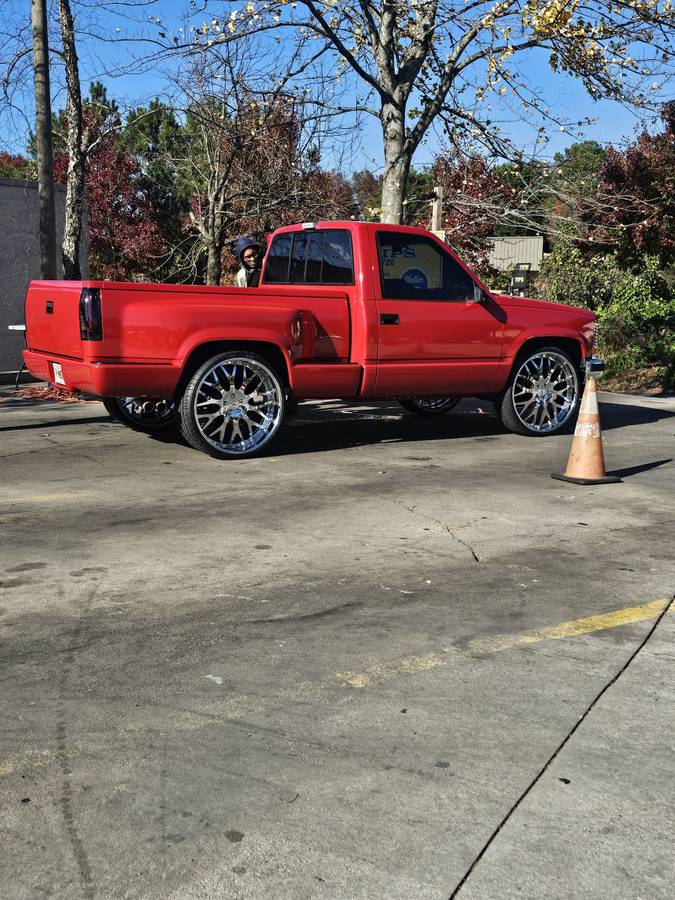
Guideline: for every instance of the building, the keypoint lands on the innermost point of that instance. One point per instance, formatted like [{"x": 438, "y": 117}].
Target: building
[
  {"x": 507, "y": 252},
  {"x": 20, "y": 259}
]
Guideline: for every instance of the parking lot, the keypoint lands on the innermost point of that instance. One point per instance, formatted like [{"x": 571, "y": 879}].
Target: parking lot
[{"x": 390, "y": 659}]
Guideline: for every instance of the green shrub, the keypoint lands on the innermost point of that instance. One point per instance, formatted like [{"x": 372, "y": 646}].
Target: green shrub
[
  {"x": 636, "y": 308},
  {"x": 495, "y": 279},
  {"x": 638, "y": 325},
  {"x": 567, "y": 276}
]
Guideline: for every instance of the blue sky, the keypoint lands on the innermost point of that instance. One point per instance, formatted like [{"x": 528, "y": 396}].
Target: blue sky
[{"x": 614, "y": 123}]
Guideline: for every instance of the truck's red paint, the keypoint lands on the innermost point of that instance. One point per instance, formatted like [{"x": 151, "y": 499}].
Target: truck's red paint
[{"x": 331, "y": 339}]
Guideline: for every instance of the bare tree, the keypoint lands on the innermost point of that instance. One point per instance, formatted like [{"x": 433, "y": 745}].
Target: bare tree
[
  {"x": 250, "y": 152},
  {"x": 80, "y": 135},
  {"x": 80, "y": 127},
  {"x": 43, "y": 128},
  {"x": 422, "y": 61},
  {"x": 72, "y": 231}
]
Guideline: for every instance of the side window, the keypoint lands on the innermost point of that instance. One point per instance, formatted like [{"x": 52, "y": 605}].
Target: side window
[
  {"x": 415, "y": 268},
  {"x": 278, "y": 260},
  {"x": 310, "y": 257}
]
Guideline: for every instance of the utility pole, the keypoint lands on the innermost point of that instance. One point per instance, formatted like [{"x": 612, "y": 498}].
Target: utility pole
[
  {"x": 437, "y": 208},
  {"x": 43, "y": 129},
  {"x": 437, "y": 212}
]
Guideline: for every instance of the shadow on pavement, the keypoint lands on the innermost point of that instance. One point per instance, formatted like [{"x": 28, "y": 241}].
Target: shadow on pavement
[
  {"x": 635, "y": 470},
  {"x": 90, "y": 420},
  {"x": 622, "y": 415},
  {"x": 316, "y": 429},
  {"x": 335, "y": 425},
  {"x": 337, "y": 430}
]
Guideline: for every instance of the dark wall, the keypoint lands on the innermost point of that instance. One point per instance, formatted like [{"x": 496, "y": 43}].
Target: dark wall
[{"x": 20, "y": 258}]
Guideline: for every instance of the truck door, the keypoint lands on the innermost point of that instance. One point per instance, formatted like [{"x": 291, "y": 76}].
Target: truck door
[{"x": 438, "y": 331}]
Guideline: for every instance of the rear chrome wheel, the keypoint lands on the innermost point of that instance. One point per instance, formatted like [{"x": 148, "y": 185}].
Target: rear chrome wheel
[
  {"x": 542, "y": 396},
  {"x": 146, "y": 414},
  {"x": 429, "y": 406},
  {"x": 233, "y": 405}
]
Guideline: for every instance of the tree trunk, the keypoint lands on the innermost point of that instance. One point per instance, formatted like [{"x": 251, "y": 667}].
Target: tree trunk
[
  {"x": 215, "y": 232},
  {"x": 214, "y": 265},
  {"x": 43, "y": 129},
  {"x": 397, "y": 158},
  {"x": 393, "y": 189},
  {"x": 72, "y": 231}
]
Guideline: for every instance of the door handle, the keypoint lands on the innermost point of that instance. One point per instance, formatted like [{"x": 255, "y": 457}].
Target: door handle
[{"x": 389, "y": 319}]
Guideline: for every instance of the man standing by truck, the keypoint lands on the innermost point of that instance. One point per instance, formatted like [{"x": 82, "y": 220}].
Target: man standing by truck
[{"x": 248, "y": 254}]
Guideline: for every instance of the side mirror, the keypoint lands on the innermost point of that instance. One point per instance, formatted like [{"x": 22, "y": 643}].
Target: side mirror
[{"x": 478, "y": 294}]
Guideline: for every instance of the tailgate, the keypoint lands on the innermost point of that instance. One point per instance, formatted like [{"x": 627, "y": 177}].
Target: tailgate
[{"x": 53, "y": 317}]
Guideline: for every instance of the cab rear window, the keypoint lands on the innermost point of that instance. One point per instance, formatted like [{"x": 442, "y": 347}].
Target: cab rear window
[{"x": 310, "y": 257}]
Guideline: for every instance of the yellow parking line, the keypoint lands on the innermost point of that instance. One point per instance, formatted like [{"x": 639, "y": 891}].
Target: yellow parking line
[
  {"x": 412, "y": 664},
  {"x": 408, "y": 665},
  {"x": 570, "y": 629}
]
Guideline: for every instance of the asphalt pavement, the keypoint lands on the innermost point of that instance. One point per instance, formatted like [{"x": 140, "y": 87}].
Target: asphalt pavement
[{"x": 392, "y": 658}]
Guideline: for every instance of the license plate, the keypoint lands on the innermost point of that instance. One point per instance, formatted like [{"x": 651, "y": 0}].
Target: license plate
[{"x": 58, "y": 374}]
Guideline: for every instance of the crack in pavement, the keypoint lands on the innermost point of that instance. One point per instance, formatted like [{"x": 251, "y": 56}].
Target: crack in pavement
[
  {"x": 446, "y": 527},
  {"x": 667, "y": 608},
  {"x": 63, "y": 755}
]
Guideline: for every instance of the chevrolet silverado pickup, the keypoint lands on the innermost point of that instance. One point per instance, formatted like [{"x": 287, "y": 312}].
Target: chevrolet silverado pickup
[{"x": 348, "y": 310}]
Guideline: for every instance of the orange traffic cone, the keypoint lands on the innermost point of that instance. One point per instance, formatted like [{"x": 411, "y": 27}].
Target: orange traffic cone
[{"x": 586, "y": 463}]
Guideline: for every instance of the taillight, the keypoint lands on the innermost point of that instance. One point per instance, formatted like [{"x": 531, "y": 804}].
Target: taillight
[{"x": 91, "y": 323}]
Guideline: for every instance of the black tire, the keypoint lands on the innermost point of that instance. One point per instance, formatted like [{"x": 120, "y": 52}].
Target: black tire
[
  {"x": 429, "y": 406},
  {"x": 135, "y": 413},
  {"x": 542, "y": 395},
  {"x": 233, "y": 405}
]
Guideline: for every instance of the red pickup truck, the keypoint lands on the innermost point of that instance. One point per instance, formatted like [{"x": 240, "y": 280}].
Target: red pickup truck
[{"x": 347, "y": 310}]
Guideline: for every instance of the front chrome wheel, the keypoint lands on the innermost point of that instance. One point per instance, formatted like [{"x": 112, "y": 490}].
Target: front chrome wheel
[
  {"x": 543, "y": 394},
  {"x": 233, "y": 405}
]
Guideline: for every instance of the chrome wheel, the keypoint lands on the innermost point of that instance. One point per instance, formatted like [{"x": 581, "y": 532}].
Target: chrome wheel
[
  {"x": 148, "y": 411},
  {"x": 429, "y": 406},
  {"x": 236, "y": 405},
  {"x": 545, "y": 391},
  {"x": 435, "y": 404},
  {"x": 147, "y": 414}
]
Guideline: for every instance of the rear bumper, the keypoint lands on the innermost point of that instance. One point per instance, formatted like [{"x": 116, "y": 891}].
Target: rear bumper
[{"x": 105, "y": 379}]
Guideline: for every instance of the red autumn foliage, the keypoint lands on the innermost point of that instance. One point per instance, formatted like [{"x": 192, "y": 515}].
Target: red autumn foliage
[
  {"x": 634, "y": 209},
  {"x": 474, "y": 197},
  {"x": 123, "y": 235},
  {"x": 14, "y": 166}
]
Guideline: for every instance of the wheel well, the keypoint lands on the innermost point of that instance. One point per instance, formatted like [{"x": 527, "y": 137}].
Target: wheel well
[
  {"x": 203, "y": 352},
  {"x": 569, "y": 345}
]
